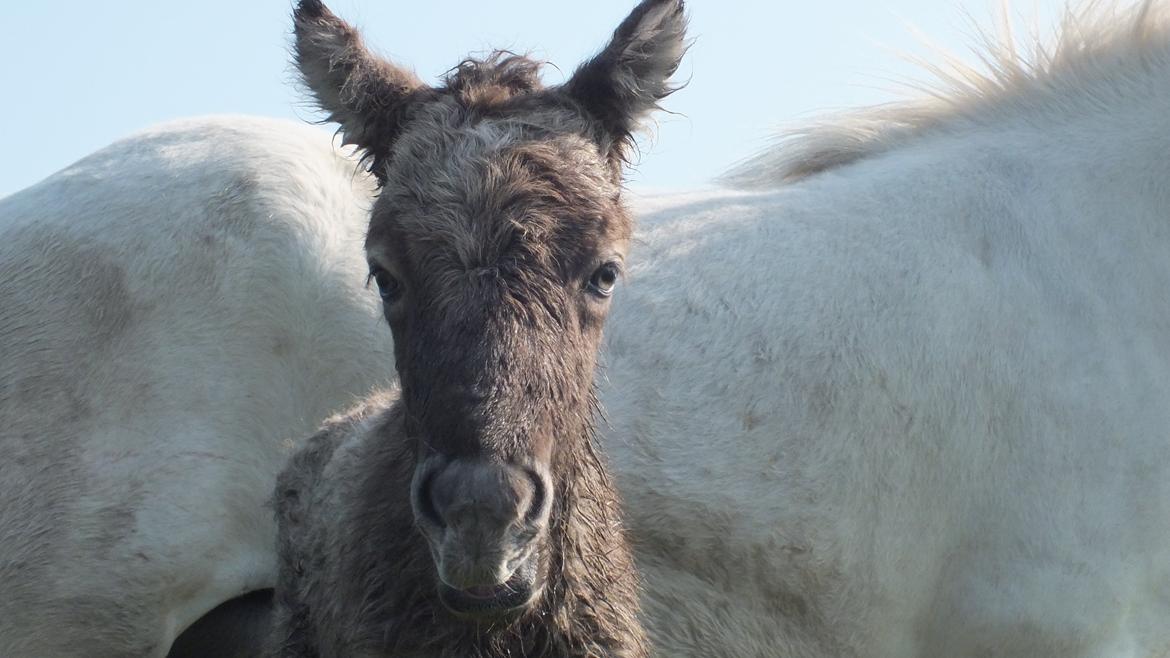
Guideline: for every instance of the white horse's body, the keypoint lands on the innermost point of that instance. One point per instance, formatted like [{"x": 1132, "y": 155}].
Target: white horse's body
[
  {"x": 172, "y": 310},
  {"x": 917, "y": 404}
]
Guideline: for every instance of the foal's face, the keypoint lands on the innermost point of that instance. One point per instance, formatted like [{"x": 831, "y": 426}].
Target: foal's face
[
  {"x": 496, "y": 253},
  {"x": 496, "y": 244}
]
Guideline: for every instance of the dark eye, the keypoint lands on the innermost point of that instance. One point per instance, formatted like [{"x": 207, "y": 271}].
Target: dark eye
[
  {"x": 603, "y": 279},
  {"x": 388, "y": 286}
]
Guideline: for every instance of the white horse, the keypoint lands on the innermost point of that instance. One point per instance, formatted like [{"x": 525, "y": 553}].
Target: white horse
[
  {"x": 173, "y": 310},
  {"x": 907, "y": 396}
]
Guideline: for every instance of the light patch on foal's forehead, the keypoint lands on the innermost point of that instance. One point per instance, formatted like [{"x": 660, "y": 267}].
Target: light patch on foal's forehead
[
  {"x": 494, "y": 135},
  {"x": 469, "y": 189}
]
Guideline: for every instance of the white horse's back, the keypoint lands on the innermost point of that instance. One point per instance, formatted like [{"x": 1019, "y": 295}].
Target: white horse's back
[
  {"x": 916, "y": 404},
  {"x": 172, "y": 308}
]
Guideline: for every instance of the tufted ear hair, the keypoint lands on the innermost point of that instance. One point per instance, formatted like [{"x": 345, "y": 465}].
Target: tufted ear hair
[
  {"x": 624, "y": 82},
  {"x": 366, "y": 94}
]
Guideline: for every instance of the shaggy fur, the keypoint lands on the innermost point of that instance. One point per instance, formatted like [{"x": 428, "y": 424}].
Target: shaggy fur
[
  {"x": 357, "y": 580},
  {"x": 500, "y": 209}
]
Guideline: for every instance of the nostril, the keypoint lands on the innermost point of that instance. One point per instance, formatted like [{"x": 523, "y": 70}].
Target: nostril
[
  {"x": 426, "y": 500},
  {"x": 537, "y": 508}
]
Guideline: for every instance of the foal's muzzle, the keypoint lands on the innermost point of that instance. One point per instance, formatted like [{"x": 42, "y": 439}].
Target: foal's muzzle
[{"x": 485, "y": 523}]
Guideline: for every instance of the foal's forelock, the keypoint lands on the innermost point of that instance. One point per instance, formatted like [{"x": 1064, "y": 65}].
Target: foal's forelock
[{"x": 482, "y": 194}]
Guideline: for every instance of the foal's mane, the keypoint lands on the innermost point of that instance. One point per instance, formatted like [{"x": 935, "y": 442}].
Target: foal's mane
[{"x": 1099, "y": 49}]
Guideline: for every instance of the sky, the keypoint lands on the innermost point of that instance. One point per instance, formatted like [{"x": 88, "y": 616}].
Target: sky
[{"x": 78, "y": 75}]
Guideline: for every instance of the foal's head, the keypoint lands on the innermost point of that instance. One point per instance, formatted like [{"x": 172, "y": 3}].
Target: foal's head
[{"x": 496, "y": 244}]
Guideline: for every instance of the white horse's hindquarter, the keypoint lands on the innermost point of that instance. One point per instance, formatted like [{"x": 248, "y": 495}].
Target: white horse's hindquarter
[{"x": 179, "y": 306}]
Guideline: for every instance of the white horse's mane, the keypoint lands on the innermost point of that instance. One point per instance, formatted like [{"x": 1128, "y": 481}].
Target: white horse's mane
[{"x": 1098, "y": 49}]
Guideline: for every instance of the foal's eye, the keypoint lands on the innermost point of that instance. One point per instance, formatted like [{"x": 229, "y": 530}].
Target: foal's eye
[
  {"x": 388, "y": 286},
  {"x": 603, "y": 279}
]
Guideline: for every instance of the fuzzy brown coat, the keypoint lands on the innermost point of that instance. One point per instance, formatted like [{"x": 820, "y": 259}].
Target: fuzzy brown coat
[{"x": 356, "y": 579}]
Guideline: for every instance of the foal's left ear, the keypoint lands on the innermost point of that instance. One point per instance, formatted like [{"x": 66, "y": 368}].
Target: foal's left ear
[
  {"x": 366, "y": 94},
  {"x": 623, "y": 84}
]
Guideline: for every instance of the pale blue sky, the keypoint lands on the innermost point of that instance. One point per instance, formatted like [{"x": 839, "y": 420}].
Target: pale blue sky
[{"x": 78, "y": 75}]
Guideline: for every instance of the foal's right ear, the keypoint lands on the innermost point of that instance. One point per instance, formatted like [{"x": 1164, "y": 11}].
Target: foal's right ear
[{"x": 366, "y": 94}]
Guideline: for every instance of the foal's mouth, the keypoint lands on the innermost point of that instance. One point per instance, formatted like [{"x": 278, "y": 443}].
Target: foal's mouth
[{"x": 506, "y": 599}]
